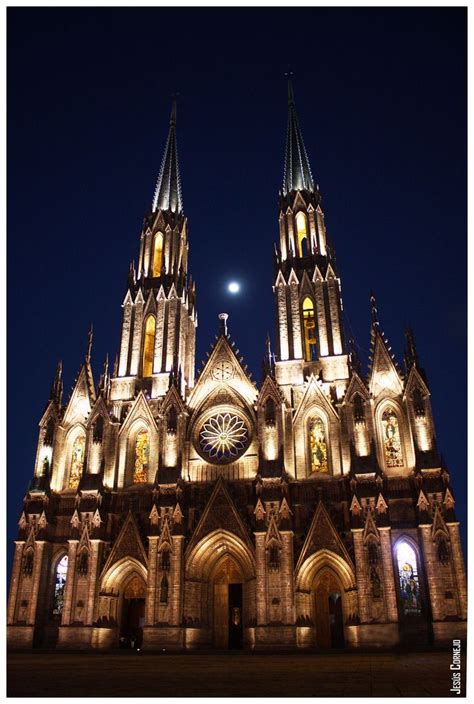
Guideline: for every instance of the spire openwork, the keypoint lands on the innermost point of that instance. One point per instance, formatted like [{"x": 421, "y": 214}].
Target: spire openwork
[
  {"x": 297, "y": 174},
  {"x": 168, "y": 186}
]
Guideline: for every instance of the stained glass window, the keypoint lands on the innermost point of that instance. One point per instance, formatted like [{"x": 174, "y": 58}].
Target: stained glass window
[
  {"x": 409, "y": 582},
  {"x": 223, "y": 437},
  {"x": 148, "y": 346},
  {"x": 318, "y": 446},
  {"x": 309, "y": 327},
  {"x": 142, "y": 449},
  {"x": 77, "y": 461},
  {"x": 391, "y": 439},
  {"x": 59, "y": 585},
  {"x": 158, "y": 254}
]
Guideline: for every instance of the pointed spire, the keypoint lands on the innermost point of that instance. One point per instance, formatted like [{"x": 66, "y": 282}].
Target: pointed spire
[
  {"x": 269, "y": 359},
  {"x": 354, "y": 357},
  {"x": 57, "y": 387},
  {"x": 90, "y": 337},
  {"x": 104, "y": 381},
  {"x": 297, "y": 174},
  {"x": 373, "y": 309},
  {"x": 168, "y": 186},
  {"x": 411, "y": 353}
]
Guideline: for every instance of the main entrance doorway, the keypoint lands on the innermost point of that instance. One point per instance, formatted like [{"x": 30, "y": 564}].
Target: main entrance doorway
[
  {"x": 228, "y": 593},
  {"x": 133, "y": 614},
  {"x": 329, "y": 614}
]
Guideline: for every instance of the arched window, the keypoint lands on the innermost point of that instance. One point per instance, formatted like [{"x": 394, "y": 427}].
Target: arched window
[
  {"x": 274, "y": 557},
  {"x": 49, "y": 434},
  {"x": 158, "y": 254},
  {"x": 77, "y": 461},
  {"x": 172, "y": 420},
  {"x": 359, "y": 412},
  {"x": 164, "y": 590},
  {"x": 98, "y": 429},
  {"x": 318, "y": 446},
  {"x": 391, "y": 439},
  {"x": 165, "y": 560},
  {"x": 28, "y": 562},
  {"x": 59, "y": 585},
  {"x": 418, "y": 403},
  {"x": 142, "y": 451},
  {"x": 302, "y": 234},
  {"x": 309, "y": 328},
  {"x": 83, "y": 562},
  {"x": 408, "y": 579},
  {"x": 270, "y": 411},
  {"x": 148, "y": 346}
]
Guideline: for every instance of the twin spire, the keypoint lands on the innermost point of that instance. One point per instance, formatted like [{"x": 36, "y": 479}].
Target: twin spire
[
  {"x": 297, "y": 173},
  {"x": 168, "y": 186}
]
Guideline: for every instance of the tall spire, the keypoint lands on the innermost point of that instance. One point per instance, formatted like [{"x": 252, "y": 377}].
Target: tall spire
[
  {"x": 297, "y": 174},
  {"x": 168, "y": 186}
]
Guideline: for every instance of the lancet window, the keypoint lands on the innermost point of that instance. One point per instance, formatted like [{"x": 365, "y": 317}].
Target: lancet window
[
  {"x": 142, "y": 452},
  {"x": 309, "y": 328},
  {"x": 391, "y": 439},
  {"x": 157, "y": 254},
  {"x": 77, "y": 461},
  {"x": 59, "y": 586},
  {"x": 302, "y": 234},
  {"x": 149, "y": 345},
  {"x": 318, "y": 446},
  {"x": 408, "y": 579}
]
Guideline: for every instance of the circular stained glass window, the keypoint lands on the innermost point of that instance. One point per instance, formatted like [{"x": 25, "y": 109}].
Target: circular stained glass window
[{"x": 223, "y": 438}]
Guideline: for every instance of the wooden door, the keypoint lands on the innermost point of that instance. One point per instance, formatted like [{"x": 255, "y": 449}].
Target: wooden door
[{"x": 221, "y": 615}]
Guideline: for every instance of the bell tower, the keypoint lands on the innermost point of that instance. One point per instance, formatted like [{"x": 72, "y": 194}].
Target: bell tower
[
  {"x": 159, "y": 315},
  {"x": 307, "y": 288}
]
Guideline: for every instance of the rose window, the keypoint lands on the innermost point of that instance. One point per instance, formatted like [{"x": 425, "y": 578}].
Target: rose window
[{"x": 223, "y": 437}]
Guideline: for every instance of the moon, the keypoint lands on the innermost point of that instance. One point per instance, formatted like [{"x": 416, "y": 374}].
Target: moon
[{"x": 233, "y": 287}]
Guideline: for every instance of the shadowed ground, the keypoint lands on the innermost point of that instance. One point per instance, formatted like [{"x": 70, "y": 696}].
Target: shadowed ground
[{"x": 40, "y": 674}]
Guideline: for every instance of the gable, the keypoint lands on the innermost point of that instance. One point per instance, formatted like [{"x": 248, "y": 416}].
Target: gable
[
  {"x": 314, "y": 396},
  {"x": 384, "y": 377},
  {"x": 127, "y": 544},
  {"x": 322, "y": 535},
  {"x": 82, "y": 398}
]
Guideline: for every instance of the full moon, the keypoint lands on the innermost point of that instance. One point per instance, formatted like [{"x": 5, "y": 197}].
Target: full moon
[{"x": 233, "y": 287}]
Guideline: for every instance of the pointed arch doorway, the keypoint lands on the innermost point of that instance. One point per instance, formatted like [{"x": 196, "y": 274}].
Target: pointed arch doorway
[
  {"x": 227, "y": 587},
  {"x": 133, "y": 613},
  {"x": 328, "y": 611}
]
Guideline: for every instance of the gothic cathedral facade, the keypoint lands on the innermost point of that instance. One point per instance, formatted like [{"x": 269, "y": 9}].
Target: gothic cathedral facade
[{"x": 169, "y": 510}]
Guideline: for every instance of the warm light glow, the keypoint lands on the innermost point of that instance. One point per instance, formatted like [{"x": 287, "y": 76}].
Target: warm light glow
[
  {"x": 309, "y": 326},
  {"x": 318, "y": 446},
  {"x": 158, "y": 254},
  {"x": 77, "y": 461},
  {"x": 302, "y": 234},
  {"x": 408, "y": 576},
  {"x": 223, "y": 437},
  {"x": 233, "y": 287},
  {"x": 391, "y": 439},
  {"x": 148, "y": 346},
  {"x": 141, "y": 457}
]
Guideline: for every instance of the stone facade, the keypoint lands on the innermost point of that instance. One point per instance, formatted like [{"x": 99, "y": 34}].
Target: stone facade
[{"x": 312, "y": 510}]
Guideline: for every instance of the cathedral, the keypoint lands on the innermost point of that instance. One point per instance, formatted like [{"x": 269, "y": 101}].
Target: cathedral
[{"x": 175, "y": 510}]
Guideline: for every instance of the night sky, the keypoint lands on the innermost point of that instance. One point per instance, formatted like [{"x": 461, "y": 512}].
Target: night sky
[{"x": 381, "y": 99}]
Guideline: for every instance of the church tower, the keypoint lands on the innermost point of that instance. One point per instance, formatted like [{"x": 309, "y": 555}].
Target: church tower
[
  {"x": 159, "y": 316},
  {"x": 307, "y": 288}
]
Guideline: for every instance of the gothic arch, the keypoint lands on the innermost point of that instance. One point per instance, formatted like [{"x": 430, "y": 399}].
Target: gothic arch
[
  {"x": 120, "y": 573},
  {"x": 406, "y": 441},
  {"x": 72, "y": 435},
  {"x": 209, "y": 550},
  {"x": 313, "y": 568},
  {"x": 139, "y": 425},
  {"x": 315, "y": 413}
]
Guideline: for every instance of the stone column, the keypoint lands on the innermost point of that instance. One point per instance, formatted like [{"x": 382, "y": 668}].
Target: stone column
[
  {"x": 361, "y": 575},
  {"x": 125, "y": 341},
  {"x": 435, "y": 589},
  {"x": 94, "y": 584},
  {"x": 35, "y": 582},
  {"x": 295, "y": 319},
  {"x": 150, "y": 603},
  {"x": 137, "y": 335},
  {"x": 176, "y": 580},
  {"x": 260, "y": 579},
  {"x": 287, "y": 578},
  {"x": 389, "y": 584},
  {"x": 15, "y": 581},
  {"x": 69, "y": 589},
  {"x": 321, "y": 318},
  {"x": 459, "y": 569}
]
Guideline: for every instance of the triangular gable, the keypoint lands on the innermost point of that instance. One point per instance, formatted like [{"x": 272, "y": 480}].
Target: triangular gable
[
  {"x": 370, "y": 529},
  {"x": 259, "y": 511},
  {"x": 127, "y": 544},
  {"x": 220, "y": 512},
  {"x": 139, "y": 409},
  {"x": 322, "y": 535},
  {"x": 293, "y": 279},
  {"x": 165, "y": 537},
  {"x": 306, "y": 288},
  {"x": 317, "y": 275},
  {"x": 330, "y": 273},
  {"x": 223, "y": 368},
  {"x": 448, "y": 500},
  {"x": 383, "y": 376},
  {"x": 439, "y": 526},
  {"x": 280, "y": 279},
  {"x": 356, "y": 386},
  {"x": 82, "y": 398},
  {"x": 355, "y": 506},
  {"x": 172, "y": 398},
  {"x": 150, "y": 307},
  {"x": 314, "y": 395},
  {"x": 273, "y": 534},
  {"x": 415, "y": 380},
  {"x": 422, "y": 504},
  {"x": 99, "y": 409},
  {"x": 51, "y": 411},
  {"x": 269, "y": 389},
  {"x": 84, "y": 541}
]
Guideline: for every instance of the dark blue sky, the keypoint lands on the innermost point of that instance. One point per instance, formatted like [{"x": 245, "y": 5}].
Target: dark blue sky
[{"x": 381, "y": 98}]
